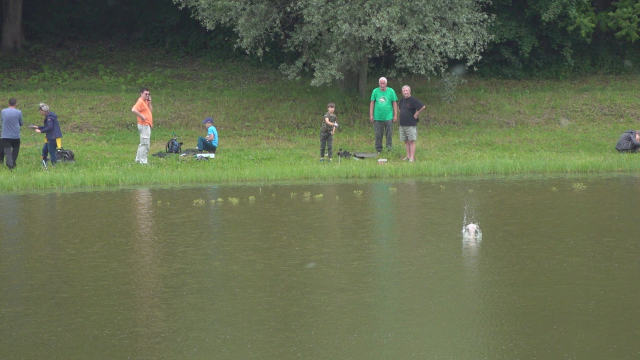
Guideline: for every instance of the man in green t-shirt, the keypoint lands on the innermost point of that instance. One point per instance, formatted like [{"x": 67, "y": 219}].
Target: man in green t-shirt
[{"x": 383, "y": 112}]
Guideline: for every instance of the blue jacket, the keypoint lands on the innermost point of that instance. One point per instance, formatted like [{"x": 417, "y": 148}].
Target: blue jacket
[{"x": 51, "y": 127}]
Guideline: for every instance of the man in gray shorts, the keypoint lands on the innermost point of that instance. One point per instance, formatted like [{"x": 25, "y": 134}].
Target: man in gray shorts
[{"x": 410, "y": 108}]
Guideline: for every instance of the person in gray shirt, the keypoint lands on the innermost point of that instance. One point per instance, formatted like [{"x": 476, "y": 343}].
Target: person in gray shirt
[{"x": 11, "y": 121}]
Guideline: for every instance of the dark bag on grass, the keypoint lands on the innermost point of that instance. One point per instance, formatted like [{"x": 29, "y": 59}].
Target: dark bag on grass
[
  {"x": 65, "y": 155},
  {"x": 344, "y": 153},
  {"x": 173, "y": 146}
]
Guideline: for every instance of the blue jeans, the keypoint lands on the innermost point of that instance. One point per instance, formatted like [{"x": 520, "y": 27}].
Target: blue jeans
[
  {"x": 50, "y": 149},
  {"x": 203, "y": 144}
]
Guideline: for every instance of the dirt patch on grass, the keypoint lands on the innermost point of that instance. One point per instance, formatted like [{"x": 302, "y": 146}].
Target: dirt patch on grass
[{"x": 82, "y": 127}]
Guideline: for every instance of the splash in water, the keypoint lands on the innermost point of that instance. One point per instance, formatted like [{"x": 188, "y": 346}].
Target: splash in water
[
  {"x": 471, "y": 231},
  {"x": 470, "y": 228}
]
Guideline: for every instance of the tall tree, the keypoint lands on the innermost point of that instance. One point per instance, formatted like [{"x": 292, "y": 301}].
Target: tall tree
[
  {"x": 12, "y": 36},
  {"x": 333, "y": 39}
]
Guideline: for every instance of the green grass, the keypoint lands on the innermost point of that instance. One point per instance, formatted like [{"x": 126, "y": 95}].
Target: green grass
[{"x": 269, "y": 125}]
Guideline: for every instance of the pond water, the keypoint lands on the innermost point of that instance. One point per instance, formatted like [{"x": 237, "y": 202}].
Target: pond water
[{"x": 374, "y": 270}]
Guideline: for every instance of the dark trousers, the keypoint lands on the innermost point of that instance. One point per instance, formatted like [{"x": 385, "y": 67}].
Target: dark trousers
[
  {"x": 203, "y": 144},
  {"x": 326, "y": 140},
  {"x": 9, "y": 148},
  {"x": 50, "y": 149},
  {"x": 381, "y": 128}
]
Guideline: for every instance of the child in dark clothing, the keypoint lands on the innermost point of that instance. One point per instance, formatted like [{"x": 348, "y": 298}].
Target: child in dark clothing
[{"x": 329, "y": 124}]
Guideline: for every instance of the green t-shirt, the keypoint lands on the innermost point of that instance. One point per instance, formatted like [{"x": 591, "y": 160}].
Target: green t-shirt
[{"x": 383, "y": 108}]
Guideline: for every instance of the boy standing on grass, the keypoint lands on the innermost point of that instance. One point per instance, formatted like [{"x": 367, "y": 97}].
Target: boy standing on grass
[
  {"x": 209, "y": 143},
  {"x": 326, "y": 131}
]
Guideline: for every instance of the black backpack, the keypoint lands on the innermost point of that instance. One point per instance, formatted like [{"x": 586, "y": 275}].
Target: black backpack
[
  {"x": 174, "y": 147},
  {"x": 65, "y": 155}
]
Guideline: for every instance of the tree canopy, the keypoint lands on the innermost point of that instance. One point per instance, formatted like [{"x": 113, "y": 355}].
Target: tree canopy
[
  {"x": 539, "y": 37},
  {"x": 343, "y": 39},
  {"x": 334, "y": 38}
]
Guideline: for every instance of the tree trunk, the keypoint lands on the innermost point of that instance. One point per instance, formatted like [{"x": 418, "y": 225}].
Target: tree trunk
[
  {"x": 348, "y": 81},
  {"x": 363, "y": 68},
  {"x": 12, "y": 36}
]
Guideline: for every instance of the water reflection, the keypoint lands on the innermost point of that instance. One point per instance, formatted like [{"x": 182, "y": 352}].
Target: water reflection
[
  {"x": 147, "y": 260},
  {"x": 470, "y": 248},
  {"x": 357, "y": 270},
  {"x": 13, "y": 257}
]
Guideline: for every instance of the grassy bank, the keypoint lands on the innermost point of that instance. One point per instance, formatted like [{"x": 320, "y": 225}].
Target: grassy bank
[{"x": 269, "y": 125}]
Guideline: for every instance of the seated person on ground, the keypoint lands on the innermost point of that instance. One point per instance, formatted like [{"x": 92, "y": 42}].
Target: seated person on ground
[
  {"x": 210, "y": 143},
  {"x": 629, "y": 141}
]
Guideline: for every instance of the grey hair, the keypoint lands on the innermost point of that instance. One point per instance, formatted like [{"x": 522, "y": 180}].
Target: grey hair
[
  {"x": 44, "y": 107},
  {"x": 383, "y": 78},
  {"x": 406, "y": 86}
]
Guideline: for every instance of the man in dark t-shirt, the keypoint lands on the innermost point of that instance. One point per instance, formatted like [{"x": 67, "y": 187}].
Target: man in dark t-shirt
[{"x": 410, "y": 108}]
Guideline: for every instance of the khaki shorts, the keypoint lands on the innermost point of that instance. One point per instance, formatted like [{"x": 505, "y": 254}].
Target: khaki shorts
[{"x": 408, "y": 133}]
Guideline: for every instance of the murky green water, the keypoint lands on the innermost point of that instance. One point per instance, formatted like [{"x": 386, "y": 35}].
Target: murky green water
[{"x": 351, "y": 271}]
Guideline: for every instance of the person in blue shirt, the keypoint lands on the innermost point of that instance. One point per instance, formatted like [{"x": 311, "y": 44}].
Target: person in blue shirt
[
  {"x": 209, "y": 143},
  {"x": 11, "y": 121}
]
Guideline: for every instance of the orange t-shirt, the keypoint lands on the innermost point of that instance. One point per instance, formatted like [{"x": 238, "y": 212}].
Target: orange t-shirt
[{"x": 143, "y": 108}]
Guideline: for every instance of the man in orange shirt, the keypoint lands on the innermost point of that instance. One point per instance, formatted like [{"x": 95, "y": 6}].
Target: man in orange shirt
[{"x": 143, "y": 110}]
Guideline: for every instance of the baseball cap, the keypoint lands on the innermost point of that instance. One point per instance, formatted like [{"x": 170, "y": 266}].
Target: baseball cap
[
  {"x": 207, "y": 120},
  {"x": 43, "y": 107}
]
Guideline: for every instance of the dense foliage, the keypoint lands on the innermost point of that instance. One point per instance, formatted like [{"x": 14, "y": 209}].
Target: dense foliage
[
  {"x": 147, "y": 23},
  {"x": 547, "y": 38},
  {"x": 332, "y": 38},
  {"x": 557, "y": 37}
]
